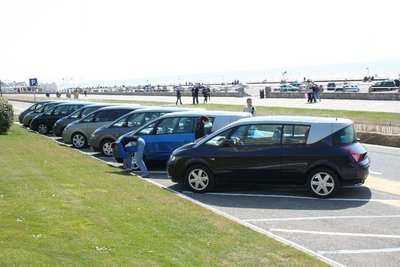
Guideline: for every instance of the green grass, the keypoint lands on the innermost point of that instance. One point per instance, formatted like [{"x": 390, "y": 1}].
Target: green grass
[
  {"x": 60, "y": 207},
  {"x": 358, "y": 116}
]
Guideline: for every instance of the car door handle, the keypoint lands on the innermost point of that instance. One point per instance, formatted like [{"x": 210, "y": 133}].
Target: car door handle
[{"x": 212, "y": 158}]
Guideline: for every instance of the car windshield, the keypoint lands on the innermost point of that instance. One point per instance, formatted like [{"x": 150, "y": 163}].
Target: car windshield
[{"x": 345, "y": 136}]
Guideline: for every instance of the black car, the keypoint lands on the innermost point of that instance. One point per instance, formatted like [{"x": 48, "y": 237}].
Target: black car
[
  {"x": 26, "y": 121},
  {"x": 386, "y": 85},
  {"x": 44, "y": 122},
  {"x": 32, "y": 108},
  {"x": 59, "y": 125},
  {"x": 321, "y": 153}
]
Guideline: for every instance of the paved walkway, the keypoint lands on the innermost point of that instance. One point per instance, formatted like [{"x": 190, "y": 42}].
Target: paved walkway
[{"x": 336, "y": 104}]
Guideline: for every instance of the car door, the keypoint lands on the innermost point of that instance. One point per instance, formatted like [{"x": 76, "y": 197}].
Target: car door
[
  {"x": 250, "y": 153},
  {"x": 296, "y": 154},
  {"x": 167, "y": 135},
  {"x": 57, "y": 114}
]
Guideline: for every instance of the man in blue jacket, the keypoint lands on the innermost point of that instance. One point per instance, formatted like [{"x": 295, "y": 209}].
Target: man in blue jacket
[{"x": 128, "y": 146}]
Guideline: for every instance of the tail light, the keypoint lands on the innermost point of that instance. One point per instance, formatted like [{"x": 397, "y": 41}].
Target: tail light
[{"x": 357, "y": 156}]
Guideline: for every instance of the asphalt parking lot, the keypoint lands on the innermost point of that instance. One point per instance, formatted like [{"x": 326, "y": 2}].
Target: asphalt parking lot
[{"x": 358, "y": 227}]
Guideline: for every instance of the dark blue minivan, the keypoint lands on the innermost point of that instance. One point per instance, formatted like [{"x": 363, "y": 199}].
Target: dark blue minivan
[{"x": 322, "y": 153}]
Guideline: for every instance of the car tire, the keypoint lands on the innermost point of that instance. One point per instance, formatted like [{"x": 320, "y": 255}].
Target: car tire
[
  {"x": 322, "y": 182},
  {"x": 199, "y": 179},
  {"x": 78, "y": 140},
  {"x": 42, "y": 128},
  {"x": 106, "y": 147}
]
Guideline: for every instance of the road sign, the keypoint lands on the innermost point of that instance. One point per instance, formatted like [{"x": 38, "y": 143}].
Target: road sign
[{"x": 33, "y": 82}]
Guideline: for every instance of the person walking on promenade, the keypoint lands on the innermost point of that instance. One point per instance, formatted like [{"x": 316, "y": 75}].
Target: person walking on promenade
[
  {"x": 249, "y": 107},
  {"x": 209, "y": 94},
  {"x": 199, "y": 131},
  {"x": 178, "y": 96},
  {"x": 204, "y": 93},
  {"x": 127, "y": 152},
  {"x": 309, "y": 91},
  {"x": 195, "y": 94}
]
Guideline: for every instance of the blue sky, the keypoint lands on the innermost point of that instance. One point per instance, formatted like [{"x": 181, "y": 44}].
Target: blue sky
[{"x": 111, "y": 40}]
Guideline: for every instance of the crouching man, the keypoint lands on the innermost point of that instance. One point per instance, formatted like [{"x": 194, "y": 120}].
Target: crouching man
[{"x": 127, "y": 147}]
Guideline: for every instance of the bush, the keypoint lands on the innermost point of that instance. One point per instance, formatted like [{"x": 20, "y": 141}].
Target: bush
[{"x": 6, "y": 116}]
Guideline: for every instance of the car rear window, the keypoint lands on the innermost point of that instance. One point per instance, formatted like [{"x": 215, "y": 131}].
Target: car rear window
[{"x": 345, "y": 136}]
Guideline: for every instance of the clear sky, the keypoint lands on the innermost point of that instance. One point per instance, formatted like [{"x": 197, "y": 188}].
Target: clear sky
[{"x": 122, "y": 39}]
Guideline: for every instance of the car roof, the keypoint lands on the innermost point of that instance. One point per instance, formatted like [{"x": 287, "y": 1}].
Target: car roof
[
  {"x": 133, "y": 106},
  {"x": 160, "y": 109},
  {"x": 295, "y": 120},
  {"x": 198, "y": 113}
]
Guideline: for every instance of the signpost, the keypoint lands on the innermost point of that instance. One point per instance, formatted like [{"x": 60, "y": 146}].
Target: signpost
[{"x": 33, "y": 83}]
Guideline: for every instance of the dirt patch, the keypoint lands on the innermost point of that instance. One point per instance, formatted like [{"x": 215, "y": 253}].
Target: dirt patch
[{"x": 379, "y": 139}]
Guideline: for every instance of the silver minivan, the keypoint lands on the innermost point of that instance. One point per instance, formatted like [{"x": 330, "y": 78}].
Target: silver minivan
[
  {"x": 78, "y": 132},
  {"x": 104, "y": 136}
]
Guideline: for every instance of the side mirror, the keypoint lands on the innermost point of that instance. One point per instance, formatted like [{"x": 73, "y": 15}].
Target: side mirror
[{"x": 227, "y": 143}]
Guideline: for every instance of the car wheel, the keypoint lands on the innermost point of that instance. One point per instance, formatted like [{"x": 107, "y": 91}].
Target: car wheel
[
  {"x": 322, "y": 183},
  {"x": 199, "y": 179},
  {"x": 42, "y": 128},
  {"x": 78, "y": 140},
  {"x": 106, "y": 147}
]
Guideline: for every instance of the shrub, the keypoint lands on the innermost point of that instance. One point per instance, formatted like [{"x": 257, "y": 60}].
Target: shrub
[{"x": 6, "y": 116}]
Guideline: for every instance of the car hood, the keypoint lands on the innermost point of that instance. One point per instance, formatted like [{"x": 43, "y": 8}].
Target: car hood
[{"x": 183, "y": 148}]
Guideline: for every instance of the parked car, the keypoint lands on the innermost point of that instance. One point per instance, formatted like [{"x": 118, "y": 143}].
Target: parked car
[
  {"x": 44, "y": 122},
  {"x": 350, "y": 88},
  {"x": 104, "y": 136},
  {"x": 59, "y": 125},
  {"x": 386, "y": 85},
  {"x": 78, "y": 132},
  {"x": 321, "y": 153},
  {"x": 331, "y": 86},
  {"x": 299, "y": 85},
  {"x": 26, "y": 121},
  {"x": 170, "y": 131},
  {"x": 287, "y": 88},
  {"x": 31, "y": 108}
]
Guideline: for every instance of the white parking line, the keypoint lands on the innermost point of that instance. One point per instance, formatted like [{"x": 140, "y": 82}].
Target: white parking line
[
  {"x": 333, "y": 233},
  {"x": 298, "y": 197},
  {"x": 360, "y": 251},
  {"x": 377, "y": 173},
  {"x": 322, "y": 218}
]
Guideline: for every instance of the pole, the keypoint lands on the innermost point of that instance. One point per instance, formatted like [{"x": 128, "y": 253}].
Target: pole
[
  {"x": 34, "y": 93},
  {"x": 1, "y": 92}
]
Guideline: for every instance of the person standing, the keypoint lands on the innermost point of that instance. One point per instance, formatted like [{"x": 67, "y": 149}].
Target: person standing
[
  {"x": 178, "y": 96},
  {"x": 195, "y": 94},
  {"x": 249, "y": 107},
  {"x": 309, "y": 91},
  {"x": 127, "y": 152},
  {"x": 204, "y": 93},
  {"x": 209, "y": 94},
  {"x": 200, "y": 131}
]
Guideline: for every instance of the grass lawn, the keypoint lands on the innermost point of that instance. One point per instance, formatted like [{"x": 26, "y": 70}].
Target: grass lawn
[{"x": 60, "y": 207}]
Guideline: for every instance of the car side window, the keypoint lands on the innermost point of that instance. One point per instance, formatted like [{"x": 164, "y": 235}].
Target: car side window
[
  {"x": 258, "y": 134},
  {"x": 185, "y": 125},
  {"x": 295, "y": 134},
  {"x": 149, "y": 129},
  {"x": 107, "y": 115},
  {"x": 218, "y": 139},
  {"x": 119, "y": 123},
  {"x": 60, "y": 110},
  {"x": 89, "y": 118},
  {"x": 135, "y": 120},
  {"x": 167, "y": 126}
]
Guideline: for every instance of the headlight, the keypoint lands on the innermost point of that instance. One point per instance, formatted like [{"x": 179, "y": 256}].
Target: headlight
[{"x": 172, "y": 158}]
